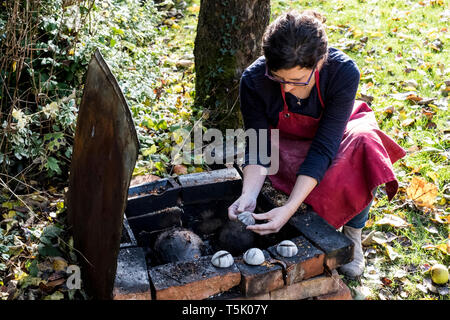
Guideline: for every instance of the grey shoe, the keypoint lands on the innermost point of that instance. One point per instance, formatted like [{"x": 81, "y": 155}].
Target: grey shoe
[{"x": 355, "y": 268}]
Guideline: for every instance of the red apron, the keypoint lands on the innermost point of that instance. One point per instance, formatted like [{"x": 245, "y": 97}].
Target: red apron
[{"x": 364, "y": 161}]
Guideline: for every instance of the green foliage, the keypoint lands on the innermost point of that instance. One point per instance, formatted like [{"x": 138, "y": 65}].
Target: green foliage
[
  {"x": 41, "y": 87},
  {"x": 136, "y": 41}
]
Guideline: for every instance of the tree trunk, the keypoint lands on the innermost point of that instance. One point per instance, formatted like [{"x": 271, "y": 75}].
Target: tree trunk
[{"x": 228, "y": 40}]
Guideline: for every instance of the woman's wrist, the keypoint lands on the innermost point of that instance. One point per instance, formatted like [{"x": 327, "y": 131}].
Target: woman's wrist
[
  {"x": 250, "y": 194},
  {"x": 303, "y": 186},
  {"x": 253, "y": 180},
  {"x": 291, "y": 207}
]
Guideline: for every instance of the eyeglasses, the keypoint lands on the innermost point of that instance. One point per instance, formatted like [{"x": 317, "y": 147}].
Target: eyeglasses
[{"x": 289, "y": 82}]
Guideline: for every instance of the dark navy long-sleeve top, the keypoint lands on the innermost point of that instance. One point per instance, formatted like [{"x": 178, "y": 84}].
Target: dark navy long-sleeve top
[{"x": 261, "y": 101}]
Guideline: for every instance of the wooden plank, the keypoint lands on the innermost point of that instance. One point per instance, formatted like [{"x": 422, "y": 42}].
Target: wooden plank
[{"x": 104, "y": 155}]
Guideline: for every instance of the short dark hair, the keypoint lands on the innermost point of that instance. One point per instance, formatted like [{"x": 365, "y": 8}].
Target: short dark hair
[{"x": 295, "y": 39}]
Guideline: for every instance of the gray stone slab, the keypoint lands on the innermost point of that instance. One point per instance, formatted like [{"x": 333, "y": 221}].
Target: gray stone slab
[{"x": 132, "y": 281}]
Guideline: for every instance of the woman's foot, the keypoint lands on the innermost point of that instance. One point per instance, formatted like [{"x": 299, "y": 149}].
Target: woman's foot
[{"x": 355, "y": 268}]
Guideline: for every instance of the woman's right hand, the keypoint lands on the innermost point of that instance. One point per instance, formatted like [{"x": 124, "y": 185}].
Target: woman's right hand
[{"x": 245, "y": 202}]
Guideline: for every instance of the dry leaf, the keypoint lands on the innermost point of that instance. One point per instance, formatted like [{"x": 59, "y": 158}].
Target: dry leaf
[
  {"x": 393, "y": 221},
  {"x": 402, "y": 96},
  {"x": 425, "y": 101},
  {"x": 441, "y": 217},
  {"x": 422, "y": 193},
  {"x": 408, "y": 122},
  {"x": 386, "y": 281},
  {"x": 431, "y": 125},
  {"x": 180, "y": 169},
  {"x": 55, "y": 296},
  {"x": 389, "y": 110},
  {"x": 432, "y": 229},
  {"x": 375, "y": 237},
  {"x": 399, "y": 274},
  {"x": 391, "y": 253},
  {"x": 413, "y": 97},
  {"x": 59, "y": 264}
]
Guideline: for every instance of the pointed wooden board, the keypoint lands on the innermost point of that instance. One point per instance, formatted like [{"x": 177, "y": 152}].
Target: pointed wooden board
[{"x": 104, "y": 155}]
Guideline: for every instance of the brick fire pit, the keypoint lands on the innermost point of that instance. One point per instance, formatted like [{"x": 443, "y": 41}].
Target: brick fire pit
[{"x": 310, "y": 273}]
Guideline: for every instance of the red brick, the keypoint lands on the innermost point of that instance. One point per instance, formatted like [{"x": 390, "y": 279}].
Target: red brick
[
  {"x": 192, "y": 280},
  {"x": 257, "y": 280},
  {"x": 343, "y": 293},
  {"x": 263, "y": 296},
  {"x": 307, "y": 263},
  {"x": 312, "y": 287}
]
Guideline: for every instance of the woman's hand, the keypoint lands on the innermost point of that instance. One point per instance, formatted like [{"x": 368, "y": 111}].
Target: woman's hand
[
  {"x": 276, "y": 219},
  {"x": 245, "y": 202}
]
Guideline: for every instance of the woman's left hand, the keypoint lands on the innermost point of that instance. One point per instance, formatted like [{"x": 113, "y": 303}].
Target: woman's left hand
[{"x": 276, "y": 219}]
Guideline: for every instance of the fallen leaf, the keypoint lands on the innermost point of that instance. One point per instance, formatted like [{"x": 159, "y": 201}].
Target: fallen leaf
[
  {"x": 442, "y": 290},
  {"x": 432, "y": 229},
  {"x": 180, "y": 169},
  {"x": 391, "y": 253},
  {"x": 375, "y": 237},
  {"x": 442, "y": 247},
  {"x": 59, "y": 264},
  {"x": 366, "y": 98},
  {"x": 422, "y": 193},
  {"x": 408, "y": 70},
  {"x": 410, "y": 84},
  {"x": 408, "y": 122},
  {"x": 50, "y": 286},
  {"x": 57, "y": 275},
  {"x": 362, "y": 292},
  {"x": 431, "y": 125},
  {"x": 391, "y": 236},
  {"x": 402, "y": 96},
  {"x": 426, "y": 267},
  {"x": 370, "y": 251},
  {"x": 393, "y": 221},
  {"x": 45, "y": 266},
  {"x": 399, "y": 274},
  {"x": 414, "y": 97},
  {"x": 422, "y": 288},
  {"x": 386, "y": 281},
  {"x": 429, "y": 285},
  {"x": 389, "y": 110},
  {"x": 441, "y": 217},
  {"x": 184, "y": 63},
  {"x": 55, "y": 296}
]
